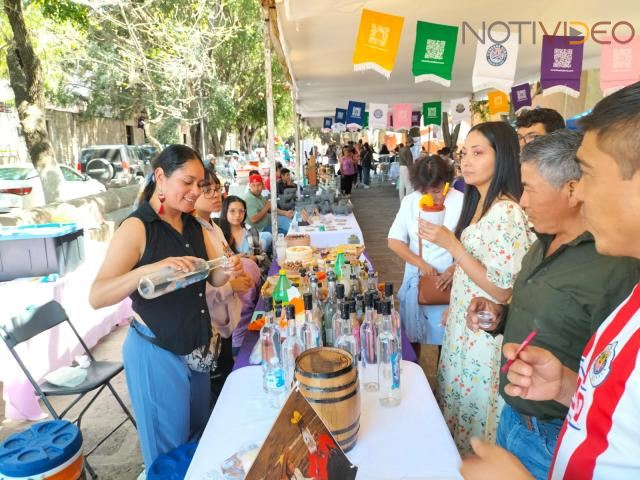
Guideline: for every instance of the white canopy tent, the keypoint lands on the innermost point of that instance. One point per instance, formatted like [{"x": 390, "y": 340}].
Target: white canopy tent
[{"x": 316, "y": 38}]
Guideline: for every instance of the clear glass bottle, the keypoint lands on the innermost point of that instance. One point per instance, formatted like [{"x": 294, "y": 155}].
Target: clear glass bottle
[
  {"x": 169, "y": 279},
  {"x": 369, "y": 346},
  {"x": 309, "y": 332},
  {"x": 395, "y": 315},
  {"x": 340, "y": 300},
  {"x": 372, "y": 282},
  {"x": 318, "y": 304},
  {"x": 275, "y": 382},
  {"x": 356, "y": 288},
  {"x": 346, "y": 340},
  {"x": 330, "y": 308},
  {"x": 304, "y": 282},
  {"x": 269, "y": 340},
  {"x": 291, "y": 348},
  {"x": 355, "y": 324},
  {"x": 388, "y": 360}
]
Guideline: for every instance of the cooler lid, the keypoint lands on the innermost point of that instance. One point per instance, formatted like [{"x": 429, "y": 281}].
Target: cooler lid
[{"x": 173, "y": 465}]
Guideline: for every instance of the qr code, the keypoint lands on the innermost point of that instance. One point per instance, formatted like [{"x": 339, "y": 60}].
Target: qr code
[
  {"x": 562, "y": 57},
  {"x": 622, "y": 59},
  {"x": 521, "y": 95},
  {"x": 434, "y": 50},
  {"x": 431, "y": 111},
  {"x": 378, "y": 35}
]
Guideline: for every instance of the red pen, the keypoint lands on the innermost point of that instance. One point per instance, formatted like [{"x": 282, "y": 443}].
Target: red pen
[{"x": 527, "y": 341}]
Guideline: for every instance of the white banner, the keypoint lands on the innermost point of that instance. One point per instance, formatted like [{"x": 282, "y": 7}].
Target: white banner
[
  {"x": 495, "y": 65},
  {"x": 378, "y": 116},
  {"x": 459, "y": 108}
]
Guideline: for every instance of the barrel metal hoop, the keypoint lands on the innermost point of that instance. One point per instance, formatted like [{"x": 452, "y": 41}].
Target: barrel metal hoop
[
  {"x": 328, "y": 389},
  {"x": 337, "y": 373},
  {"x": 352, "y": 438},
  {"x": 333, "y": 400},
  {"x": 355, "y": 424}
]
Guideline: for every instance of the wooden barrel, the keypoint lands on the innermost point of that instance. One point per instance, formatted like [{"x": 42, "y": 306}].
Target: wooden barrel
[{"x": 328, "y": 379}]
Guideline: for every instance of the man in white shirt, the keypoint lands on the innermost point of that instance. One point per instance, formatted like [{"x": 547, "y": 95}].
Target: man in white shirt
[{"x": 601, "y": 434}]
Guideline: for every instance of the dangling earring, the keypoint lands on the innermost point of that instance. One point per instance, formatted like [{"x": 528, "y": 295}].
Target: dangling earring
[{"x": 162, "y": 198}]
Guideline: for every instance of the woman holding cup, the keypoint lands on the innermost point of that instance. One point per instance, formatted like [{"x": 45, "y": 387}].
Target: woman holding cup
[
  {"x": 488, "y": 244},
  {"x": 429, "y": 176}
]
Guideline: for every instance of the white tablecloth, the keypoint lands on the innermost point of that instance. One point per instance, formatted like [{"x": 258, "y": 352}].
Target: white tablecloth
[
  {"x": 410, "y": 441},
  {"x": 346, "y": 226}
]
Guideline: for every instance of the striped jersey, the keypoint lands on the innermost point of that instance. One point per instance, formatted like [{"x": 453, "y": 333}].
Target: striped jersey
[{"x": 600, "y": 438}]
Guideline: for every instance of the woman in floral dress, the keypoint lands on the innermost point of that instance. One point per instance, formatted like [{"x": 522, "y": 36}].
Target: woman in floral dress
[{"x": 488, "y": 245}]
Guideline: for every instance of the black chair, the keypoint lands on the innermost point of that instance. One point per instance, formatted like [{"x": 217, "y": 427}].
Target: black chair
[{"x": 99, "y": 374}]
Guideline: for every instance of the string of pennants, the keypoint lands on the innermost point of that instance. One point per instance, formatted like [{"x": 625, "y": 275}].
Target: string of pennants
[{"x": 434, "y": 52}]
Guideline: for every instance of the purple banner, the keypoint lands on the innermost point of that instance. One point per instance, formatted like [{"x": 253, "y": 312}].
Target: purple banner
[
  {"x": 415, "y": 119},
  {"x": 521, "y": 96},
  {"x": 561, "y": 64}
]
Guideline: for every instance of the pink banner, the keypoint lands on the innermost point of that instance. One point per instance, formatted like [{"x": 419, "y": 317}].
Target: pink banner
[
  {"x": 402, "y": 116},
  {"x": 619, "y": 65}
]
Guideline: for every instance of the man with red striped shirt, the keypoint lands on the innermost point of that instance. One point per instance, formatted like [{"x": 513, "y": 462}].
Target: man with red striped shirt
[{"x": 600, "y": 438}]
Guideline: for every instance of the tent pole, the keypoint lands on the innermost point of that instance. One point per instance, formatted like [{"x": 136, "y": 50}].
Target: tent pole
[
  {"x": 271, "y": 145},
  {"x": 296, "y": 125}
]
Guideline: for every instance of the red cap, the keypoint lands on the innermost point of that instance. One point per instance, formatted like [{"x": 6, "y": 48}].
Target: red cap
[{"x": 255, "y": 178}]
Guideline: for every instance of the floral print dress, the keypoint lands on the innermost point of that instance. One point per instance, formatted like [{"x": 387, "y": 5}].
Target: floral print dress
[{"x": 469, "y": 362}]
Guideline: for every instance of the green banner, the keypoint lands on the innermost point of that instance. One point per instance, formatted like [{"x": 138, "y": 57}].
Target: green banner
[
  {"x": 434, "y": 52},
  {"x": 366, "y": 120},
  {"x": 432, "y": 113}
]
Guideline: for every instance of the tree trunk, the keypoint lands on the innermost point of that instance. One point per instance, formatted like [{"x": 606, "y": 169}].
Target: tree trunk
[{"x": 27, "y": 81}]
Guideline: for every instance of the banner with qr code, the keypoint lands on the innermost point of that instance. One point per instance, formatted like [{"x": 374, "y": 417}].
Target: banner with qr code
[
  {"x": 521, "y": 97},
  {"x": 498, "y": 102},
  {"x": 561, "y": 64},
  {"x": 377, "y": 42},
  {"x": 340, "y": 120},
  {"x": 415, "y": 118},
  {"x": 434, "y": 52},
  {"x": 401, "y": 118},
  {"x": 355, "y": 115},
  {"x": 432, "y": 113},
  {"x": 326, "y": 124},
  {"x": 495, "y": 65},
  {"x": 619, "y": 64}
]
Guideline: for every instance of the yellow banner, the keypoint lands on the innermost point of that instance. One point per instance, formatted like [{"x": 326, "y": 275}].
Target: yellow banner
[
  {"x": 377, "y": 42},
  {"x": 498, "y": 102}
]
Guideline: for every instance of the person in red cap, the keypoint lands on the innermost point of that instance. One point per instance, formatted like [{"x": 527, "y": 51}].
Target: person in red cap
[{"x": 259, "y": 208}]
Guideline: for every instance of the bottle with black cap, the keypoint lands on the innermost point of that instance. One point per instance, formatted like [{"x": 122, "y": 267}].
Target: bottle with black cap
[
  {"x": 346, "y": 340},
  {"x": 369, "y": 346},
  {"x": 389, "y": 357},
  {"x": 292, "y": 346},
  {"x": 309, "y": 332},
  {"x": 340, "y": 300}
]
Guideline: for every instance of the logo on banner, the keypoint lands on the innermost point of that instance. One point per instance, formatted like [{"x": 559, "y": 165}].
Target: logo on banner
[
  {"x": 460, "y": 108},
  {"x": 602, "y": 365},
  {"x": 378, "y": 35},
  {"x": 378, "y": 113},
  {"x": 497, "y": 54},
  {"x": 562, "y": 57},
  {"x": 434, "y": 49}
]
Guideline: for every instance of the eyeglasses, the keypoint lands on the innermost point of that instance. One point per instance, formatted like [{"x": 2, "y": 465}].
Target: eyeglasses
[
  {"x": 234, "y": 211},
  {"x": 210, "y": 191},
  {"x": 529, "y": 137}
]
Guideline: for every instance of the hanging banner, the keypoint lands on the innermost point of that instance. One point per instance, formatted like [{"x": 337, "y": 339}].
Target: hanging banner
[
  {"x": 434, "y": 52},
  {"x": 619, "y": 65},
  {"x": 377, "y": 42},
  {"x": 389, "y": 120},
  {"x": 378, "y": 115},
  {"x": 521, "y": 97},
  {"x": 355, "y": 115},
  {"x": 415, "y": 118},
  {"x": 326, "y": 124},
  {"x": 401, "y": 116},
  {"x": 366, "y": 120},
  {"x": 340, "y": 122},
  {"x": 498, "y": 102},
  {"x": 460, "y": 110},
  {"x": 495, "y": 65},
  {"x": 561, "y": 65},
  {"x": 432, "y": 113}
]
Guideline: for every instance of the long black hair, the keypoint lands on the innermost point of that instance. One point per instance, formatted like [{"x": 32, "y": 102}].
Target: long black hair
[
  {"x": 170, "y": 159},
  {"x": 506, "y": 176},
  {"x": 223, "y": 222}
]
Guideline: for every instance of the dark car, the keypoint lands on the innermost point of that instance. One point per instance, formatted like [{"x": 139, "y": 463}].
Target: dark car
[{"x": 113, "y": 164}]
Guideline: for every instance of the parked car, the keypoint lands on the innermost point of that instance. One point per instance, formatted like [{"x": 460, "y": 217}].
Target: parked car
[
  {"x": 21, "y": 187},
  {"x": 147, "y": 153},
  {"x": 113, "y": 164}
]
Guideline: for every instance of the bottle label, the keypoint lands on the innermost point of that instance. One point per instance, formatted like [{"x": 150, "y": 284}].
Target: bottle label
[
  {"x": 395, "y": 370},
  {"x": 275, "y": 378}
]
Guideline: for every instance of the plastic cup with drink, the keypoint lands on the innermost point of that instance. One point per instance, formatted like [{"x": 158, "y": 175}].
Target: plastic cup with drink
[{"x": 431, "y": 211}]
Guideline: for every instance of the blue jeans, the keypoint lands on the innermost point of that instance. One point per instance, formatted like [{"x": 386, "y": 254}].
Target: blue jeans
[
  {"x": 533, "y": 444},
  {"x": 366, "y": 175}
]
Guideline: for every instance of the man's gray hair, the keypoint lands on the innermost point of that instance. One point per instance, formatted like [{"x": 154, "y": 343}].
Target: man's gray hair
[{"x": 555, "y": 156}]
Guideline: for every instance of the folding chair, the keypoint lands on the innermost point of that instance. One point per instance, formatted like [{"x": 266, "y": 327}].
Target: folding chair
[{"x": 99, "y": 374}]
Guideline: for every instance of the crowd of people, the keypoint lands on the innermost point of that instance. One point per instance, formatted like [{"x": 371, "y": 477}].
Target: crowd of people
[{"x": 542, "y": 238}]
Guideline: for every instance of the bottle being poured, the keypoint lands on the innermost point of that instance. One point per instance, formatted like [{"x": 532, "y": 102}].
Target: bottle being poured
[{"x": 169, "y": 279}]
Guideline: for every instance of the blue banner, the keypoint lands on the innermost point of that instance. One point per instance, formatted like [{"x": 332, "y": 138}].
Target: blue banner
[{"x": 355, "y": 115}]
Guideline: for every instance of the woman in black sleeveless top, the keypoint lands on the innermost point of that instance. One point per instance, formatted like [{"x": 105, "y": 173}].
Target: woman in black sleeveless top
[{"x": 170, "y": 400}]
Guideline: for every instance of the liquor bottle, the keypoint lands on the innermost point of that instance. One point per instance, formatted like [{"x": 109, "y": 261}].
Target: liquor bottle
[
  {"x": 346, "y": 340},
  {"x": 340, "y": 300},
  {"x": 304, "y": 282},
  {"x": 269, "y": 340},
  {"x": 369, "y": 346},
  {"x": 355, "y": 324},
  {"x": 275, "y": 382},
  {"x": 280, "y": 293},
  {"x": 309, "y": 332},
  {"x": 318, "y": 306},
  {"x": 395, "y": 315},
  {"x": 291, "y": 348},
  {"x": 372, "y": 282},
  {"x": 356, "y": 287},
  {"x": 169, "y": 279},
  {"x": 388, "y": 360},
  {"x": 330, "y": 308}
]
